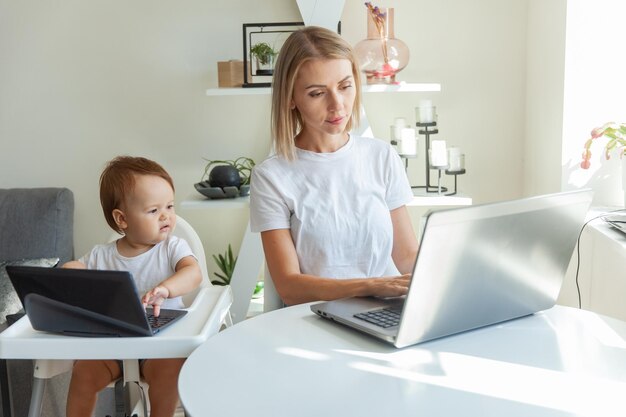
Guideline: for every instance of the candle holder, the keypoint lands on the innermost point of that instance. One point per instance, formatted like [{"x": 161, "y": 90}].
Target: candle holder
[
  {"x": 428, "y": 129},
  {"x": 404, "y": 141},
  {"x": 455, "y": 168},
  {"x": 455, "y": 173},
  {"x": 440, "y": 189},
  {"x": 457, "y": 165},
  {"x": 404, "y": 157}
]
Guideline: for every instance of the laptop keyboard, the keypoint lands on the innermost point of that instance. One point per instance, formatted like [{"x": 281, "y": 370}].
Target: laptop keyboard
[
  {"x": 157, "y": 322},
  {"x": 387, "y": 317}
]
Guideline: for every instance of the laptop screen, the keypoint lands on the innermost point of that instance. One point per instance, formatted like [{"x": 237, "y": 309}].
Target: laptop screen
[
  {"x": 110, "y": 293},
  {"x": 488, "y": 263}
]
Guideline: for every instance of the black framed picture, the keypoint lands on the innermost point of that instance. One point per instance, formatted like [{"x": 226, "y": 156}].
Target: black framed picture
[{"x": 261, "y": 46}]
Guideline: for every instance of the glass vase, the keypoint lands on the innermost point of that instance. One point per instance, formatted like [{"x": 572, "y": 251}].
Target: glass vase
[
  {"x": 381, "y": 55},
  {"x": 264, "y": 65}
]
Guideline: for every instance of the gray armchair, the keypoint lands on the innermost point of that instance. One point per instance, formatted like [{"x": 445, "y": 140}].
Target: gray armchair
[{"x": 34, "y": 223}]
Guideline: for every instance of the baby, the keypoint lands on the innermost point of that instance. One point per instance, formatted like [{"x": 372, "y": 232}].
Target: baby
[{"x": 137, "y": 197}]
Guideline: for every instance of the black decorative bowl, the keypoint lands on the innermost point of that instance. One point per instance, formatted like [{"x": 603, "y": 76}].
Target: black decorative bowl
[{"x": 217, "y": 192}]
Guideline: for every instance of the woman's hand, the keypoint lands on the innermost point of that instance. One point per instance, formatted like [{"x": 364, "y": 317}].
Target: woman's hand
[
  {"x": 294, "y": 287},
  {"x": 389, "y": 286},
  {"x": 155, "y": 298}
]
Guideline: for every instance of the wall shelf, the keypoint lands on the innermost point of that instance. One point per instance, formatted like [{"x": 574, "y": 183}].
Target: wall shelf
[
  {"x": 197, "y": 201},
  {"x": 420, "y": 199},
  {"x": 369, "y": 88}
]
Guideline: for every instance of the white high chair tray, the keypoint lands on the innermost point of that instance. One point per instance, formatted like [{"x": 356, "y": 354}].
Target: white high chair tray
[{"x": 206, "y": 313}]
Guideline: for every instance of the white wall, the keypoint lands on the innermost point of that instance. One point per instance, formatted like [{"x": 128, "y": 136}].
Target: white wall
[
  {"x": 545, "y": 67},
  {"x": 477, "y": 51},
  {"x": 575, "y": 82},
  {"x": 595, "y": 87},
  {"x": 81, "y": 82}
]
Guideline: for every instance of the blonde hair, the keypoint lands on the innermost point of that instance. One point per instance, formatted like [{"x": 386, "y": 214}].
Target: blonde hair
[{"x": 301, "y": 46}]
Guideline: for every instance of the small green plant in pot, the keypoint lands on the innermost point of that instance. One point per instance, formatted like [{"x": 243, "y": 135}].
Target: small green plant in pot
[
  {"x": 226, "y": 263},
  {"x": 223, "y": 173},
  {"x": 226, "y": 178},
  {"x": 264, "y": 55}
]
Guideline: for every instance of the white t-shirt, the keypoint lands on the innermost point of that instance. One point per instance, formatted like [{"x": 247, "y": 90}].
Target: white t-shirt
[
  {"x": 336, "y": 206},
  {"x": 148, "y": 269}
]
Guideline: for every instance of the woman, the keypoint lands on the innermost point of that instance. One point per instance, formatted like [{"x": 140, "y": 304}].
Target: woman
[{"x": 330, "y": 206}]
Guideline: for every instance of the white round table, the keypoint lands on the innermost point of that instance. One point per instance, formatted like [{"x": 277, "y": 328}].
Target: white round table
[{"x": 560, "y": 362}]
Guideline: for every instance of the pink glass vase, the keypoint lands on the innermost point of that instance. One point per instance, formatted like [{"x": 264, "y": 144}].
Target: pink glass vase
[{"x": 381, "y": 55}]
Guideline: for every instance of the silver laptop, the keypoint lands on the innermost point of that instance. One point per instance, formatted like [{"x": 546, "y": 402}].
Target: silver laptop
[
  {"x": 618, "y": 221},
  {"x": 476, "y": 266}
]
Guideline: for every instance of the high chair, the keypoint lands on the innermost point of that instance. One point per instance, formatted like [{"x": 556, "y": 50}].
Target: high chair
[
  {"x": 54, "y": 354},
  {"x": 138, "y": 399}
]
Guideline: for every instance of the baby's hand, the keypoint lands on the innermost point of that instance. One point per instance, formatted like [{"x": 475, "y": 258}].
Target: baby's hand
[{"x": 155, "y": 298}]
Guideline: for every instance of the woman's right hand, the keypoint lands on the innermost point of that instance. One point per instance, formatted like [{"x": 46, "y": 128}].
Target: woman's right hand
[
  {"x": 294, "y": 287},
  {"x": 389, "y": 286}
]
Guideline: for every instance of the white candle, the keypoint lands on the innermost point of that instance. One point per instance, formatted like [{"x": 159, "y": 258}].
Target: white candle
[
  {"x": 392, "y": 133},
  {"x": 398, "y": 124},
  {"x": 438, "y": 154},
  {"x": 408, "y": 143},
  {"x": 454, "y": 158},
  {"x": 425, "y": 111}
]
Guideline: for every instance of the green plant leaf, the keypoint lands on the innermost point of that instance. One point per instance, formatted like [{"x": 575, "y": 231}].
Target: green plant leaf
[
  {"x": 263, "y": 52},
  {"x": 259, "y": 287},
  {"x": 226, "y": 263},
  {"x": 222, "y": 280}
]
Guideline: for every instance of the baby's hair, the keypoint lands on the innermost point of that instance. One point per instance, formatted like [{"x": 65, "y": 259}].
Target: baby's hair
[{"x": 118, "y": 180}]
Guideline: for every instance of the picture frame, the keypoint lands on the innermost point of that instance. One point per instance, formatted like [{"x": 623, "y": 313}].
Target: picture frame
[{"x": 266, "y": 38}]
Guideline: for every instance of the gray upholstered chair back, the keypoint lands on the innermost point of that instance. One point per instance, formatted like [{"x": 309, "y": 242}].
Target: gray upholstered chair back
[{"x": 36, "y": 223}]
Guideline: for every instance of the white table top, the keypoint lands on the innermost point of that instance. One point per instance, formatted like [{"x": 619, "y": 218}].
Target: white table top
[
  {"x": 561, "y": 362},
  {"x": 206, "y": 313}
]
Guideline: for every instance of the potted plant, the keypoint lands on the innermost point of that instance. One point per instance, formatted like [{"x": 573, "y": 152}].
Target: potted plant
[
  {"x": 226, "y": 263},
  {"x": 226, "y": 178},
  {"x": 242, "y": 165},
  {"x": 264, "y": 55},
  {"x": 616, "y": 132}
]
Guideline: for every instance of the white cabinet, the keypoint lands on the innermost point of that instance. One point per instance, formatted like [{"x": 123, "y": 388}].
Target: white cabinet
[
  {"x": 601, "y": 277},
  {"x": 250, "y": 258}
]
